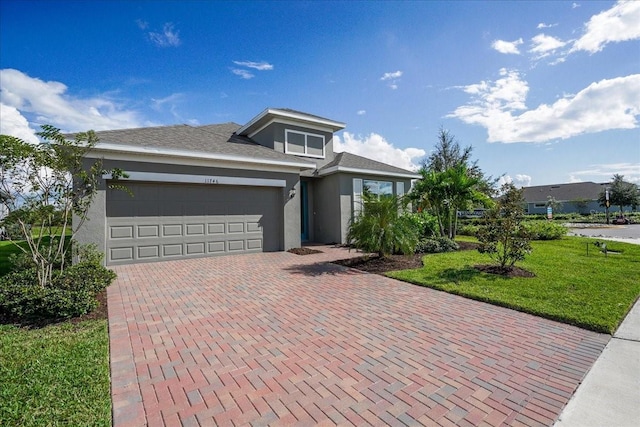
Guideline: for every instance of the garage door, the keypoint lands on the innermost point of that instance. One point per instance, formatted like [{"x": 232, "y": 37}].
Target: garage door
[{"x": 171, "y": 221}]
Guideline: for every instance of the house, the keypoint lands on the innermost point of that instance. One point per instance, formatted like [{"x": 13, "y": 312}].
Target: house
[
  {"x": 268, "y": 185},
  {"x": 579, "y": 197}
]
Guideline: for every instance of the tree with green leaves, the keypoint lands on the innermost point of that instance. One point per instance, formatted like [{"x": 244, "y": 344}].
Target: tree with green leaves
[
  {"x": 47, "y": 191},
  {"x": 380, "y": 227},
  {"x": 451, "y": 182},
  {"x": 503, "y": 236},
  {"x": 621, "y": 194}
]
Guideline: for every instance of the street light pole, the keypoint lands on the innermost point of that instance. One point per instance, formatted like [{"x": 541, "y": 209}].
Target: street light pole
[{"x": 607, "y": 203}]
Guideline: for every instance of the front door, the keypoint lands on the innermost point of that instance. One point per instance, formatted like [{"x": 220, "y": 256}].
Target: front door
[{"x": 304, "y": 211}]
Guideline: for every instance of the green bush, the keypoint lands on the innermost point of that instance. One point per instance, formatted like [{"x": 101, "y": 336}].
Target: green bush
[
  {"x": 424, "y": 223},
  {"x": 436, "y": 245},
  {"x": 72, "y": 293},
  {"x": 468, "y": 230},
  {"x": 544, "y": 230}
]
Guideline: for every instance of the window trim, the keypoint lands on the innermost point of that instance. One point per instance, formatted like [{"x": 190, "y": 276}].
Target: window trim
[
  {"x": 358, "y": 189},
  {"x": 306, "y": 136}
]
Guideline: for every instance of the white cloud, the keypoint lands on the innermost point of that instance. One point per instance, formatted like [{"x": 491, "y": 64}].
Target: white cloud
[
  {"x": 605, "y": 172},
  {"x": 520, "y": 180},
  {"x": 245, "y": 74},
  {"x": 15, "y": 124},
  {"x": 544, "y": 45},
  {"x": 168, "y": 37},
  {"x": 376, "y": 147},
  {"x": 543, "y": 25},
  {"x": 261, "y": 66},
  {"x": 620, "y": 23},
  {"x": 575, "y": 5},
  {"x": 362, "y": 112},
  {"x": 604, "y": 105},
  {"x": 48, "y": 102},
  {"x": 171, "y": 100},
  {"x": 391, "y": 76},
  {"x": 143, "y": 25},
  {"x": 506, "y": 47}
]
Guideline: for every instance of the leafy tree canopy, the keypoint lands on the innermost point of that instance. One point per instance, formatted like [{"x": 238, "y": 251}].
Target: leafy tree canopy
[{"x": 621, "y": 194}]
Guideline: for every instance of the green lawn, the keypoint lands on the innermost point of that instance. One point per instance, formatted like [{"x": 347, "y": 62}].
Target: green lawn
[
  {"x": 55, "y": 376},
  {"x": 592, "y": 291},
  {"x": 7, "y": 248}
]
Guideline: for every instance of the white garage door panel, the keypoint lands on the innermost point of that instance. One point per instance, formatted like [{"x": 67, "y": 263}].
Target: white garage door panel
[{"x": 171, "y": 221}]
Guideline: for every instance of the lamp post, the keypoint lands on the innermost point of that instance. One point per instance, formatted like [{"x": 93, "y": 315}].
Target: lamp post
[{"x": 607, "y": 203}]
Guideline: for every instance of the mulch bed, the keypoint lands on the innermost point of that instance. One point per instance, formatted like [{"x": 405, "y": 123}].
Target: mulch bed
[
  {"x": 304, "y": 251},
  {"x": 375, "y": 264}
]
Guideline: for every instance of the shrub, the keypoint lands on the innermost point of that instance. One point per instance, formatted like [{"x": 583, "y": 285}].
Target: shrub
[
  {"x": 425, "y": 224},
  {"x": 71, "y": 293},
  {"x": 544, "y": 230},
  {"x": 436, "y": 245},
  {"x": 468, "y": 230},
  {"x": 504, "y": 238},
  {"x": 379, "y": 228}
]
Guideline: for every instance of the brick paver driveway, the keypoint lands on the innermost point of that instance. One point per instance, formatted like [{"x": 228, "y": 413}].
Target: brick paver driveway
[{"x": 282, "y": 339}]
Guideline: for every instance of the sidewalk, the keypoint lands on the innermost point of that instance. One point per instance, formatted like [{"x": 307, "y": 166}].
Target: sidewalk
[{"x": 610, "y": 393}]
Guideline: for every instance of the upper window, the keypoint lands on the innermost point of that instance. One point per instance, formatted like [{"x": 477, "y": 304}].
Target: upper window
[{"x": 304, "y": 144}]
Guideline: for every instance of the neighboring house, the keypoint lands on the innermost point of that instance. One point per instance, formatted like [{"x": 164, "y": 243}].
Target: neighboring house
[
  {"x": 579, "y": 197},
  {"x": 198, "y": 191}
]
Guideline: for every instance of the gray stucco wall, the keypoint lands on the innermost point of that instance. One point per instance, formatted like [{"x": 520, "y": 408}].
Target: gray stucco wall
[
  {"x": 334, "y": 194},
  {"x": 93, "y": 230},
  {"x": 273, "y": 136}
]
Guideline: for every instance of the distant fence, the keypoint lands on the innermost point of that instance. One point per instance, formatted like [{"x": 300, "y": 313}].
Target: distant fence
[{"x": 476, "y": 213}]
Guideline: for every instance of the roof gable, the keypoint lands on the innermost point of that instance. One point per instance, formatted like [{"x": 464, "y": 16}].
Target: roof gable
[{"x": 288, "y": 116}]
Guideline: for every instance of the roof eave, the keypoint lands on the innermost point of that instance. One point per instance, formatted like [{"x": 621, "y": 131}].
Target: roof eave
[
  {"x": 164, "y": 152},
  {"x": 343, "y": 169}
]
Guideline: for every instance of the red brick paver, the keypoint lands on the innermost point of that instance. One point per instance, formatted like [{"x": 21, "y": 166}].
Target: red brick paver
[{"x": 281, "y": 339}]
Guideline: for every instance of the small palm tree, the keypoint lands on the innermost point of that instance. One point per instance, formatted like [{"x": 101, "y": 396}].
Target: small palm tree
[{"x": 380, "y": 228}]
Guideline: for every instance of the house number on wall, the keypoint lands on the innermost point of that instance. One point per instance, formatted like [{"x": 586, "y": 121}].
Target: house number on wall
[{"x": 210, "y": 181}]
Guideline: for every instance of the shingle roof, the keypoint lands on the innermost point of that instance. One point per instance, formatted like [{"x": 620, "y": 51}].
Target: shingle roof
[
  {"x": 216, "y": 139},
  {"x": 564, "y": 192},
  {"x": 347, "y": 161}
]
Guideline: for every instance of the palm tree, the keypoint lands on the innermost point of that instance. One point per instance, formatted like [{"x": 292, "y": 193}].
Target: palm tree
[
  {"x": 380, "y": 228},
  {"x": 447, "y": 192}
]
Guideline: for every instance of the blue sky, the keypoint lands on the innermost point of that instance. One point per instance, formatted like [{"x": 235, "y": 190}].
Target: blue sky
[{"x": 545, "y": 92}]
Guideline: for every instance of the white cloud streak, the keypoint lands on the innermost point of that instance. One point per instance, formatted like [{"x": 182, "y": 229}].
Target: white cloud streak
[
  {"x": 376, "y": 147},
  {"x": 168, "y": 37},
  {"x": 261, "y": 66},
  {"x": 508, "y": 48},
  {"x": 543, "y": 25},
  {"x": 245, "y": 74},
  {"x": 391, "y": 76},
  {"x": 605, "y": 172},
  {"x": 604, "y": 105},
  {"x": 362, "y": 112},
  {"x": 618, "y": 24},
  {"x": 48, "y": 102}
]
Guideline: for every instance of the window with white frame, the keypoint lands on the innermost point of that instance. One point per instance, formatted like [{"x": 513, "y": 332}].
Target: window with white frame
[
  {"x": 378, "y": 188},
  {"x": 400, "y": 189},
  {"x": 357, "y": 196},
  {"x": 304, "y": 144}
]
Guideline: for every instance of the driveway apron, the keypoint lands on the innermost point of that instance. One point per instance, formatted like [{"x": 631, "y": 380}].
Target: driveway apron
[{"x": 283, "y": 339}]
